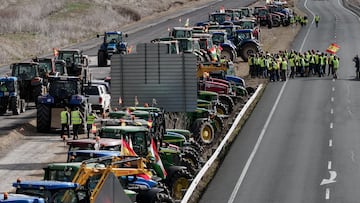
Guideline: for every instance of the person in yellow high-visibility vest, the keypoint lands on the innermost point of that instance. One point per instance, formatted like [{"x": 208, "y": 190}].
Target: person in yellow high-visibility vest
[
  {"x": 317, "y": 19},
  {"x": 336, "y": 66},
  {"x": 76, "y": 120},
  {"x": 90, "y": 120},
  {"x": 65, "y": 122}
]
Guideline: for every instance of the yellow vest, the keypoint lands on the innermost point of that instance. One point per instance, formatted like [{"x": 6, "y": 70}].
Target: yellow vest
[
  {"x": 91, "y": 119},
  {"x": 75, "y": 117},
  {"x": 64, "y": 117}
]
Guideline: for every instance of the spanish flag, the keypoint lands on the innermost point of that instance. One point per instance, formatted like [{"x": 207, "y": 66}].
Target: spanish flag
[{"x": 333, "y": 48}]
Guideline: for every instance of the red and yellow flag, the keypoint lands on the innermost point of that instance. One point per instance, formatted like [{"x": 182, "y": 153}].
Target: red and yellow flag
[{"x": 333, "y": 48}]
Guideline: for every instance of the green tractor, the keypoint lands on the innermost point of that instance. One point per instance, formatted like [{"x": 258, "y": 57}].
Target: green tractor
[
  {"x": 31, "y": 82},
  {"x": 10, "y": 96},
  {"x": 178, "y": 177}
]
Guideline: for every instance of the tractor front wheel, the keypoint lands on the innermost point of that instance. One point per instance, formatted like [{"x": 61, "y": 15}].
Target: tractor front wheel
[
  {"x": 204, "y": 131},
  {"x": 102, "y": 60}
]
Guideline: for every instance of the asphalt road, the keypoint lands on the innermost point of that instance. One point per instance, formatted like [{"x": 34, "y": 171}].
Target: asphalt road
[
  {"x": 301, "y": 143},
  {"x": 29, "y": 156}
]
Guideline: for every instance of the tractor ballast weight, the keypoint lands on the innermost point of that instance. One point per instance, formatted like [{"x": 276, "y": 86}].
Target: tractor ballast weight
[
  {"x": 113, "y": 43},
  {"x": 10, "y": 96},
  {"x": 64, "y": 91}
]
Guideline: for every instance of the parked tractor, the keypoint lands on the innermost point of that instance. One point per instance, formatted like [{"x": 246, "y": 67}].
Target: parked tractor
[
  {"x": 51, "y": 66},
  {"x": 178, "y": 177},
  {"x": 31, "y": 82},
  {"x": 64, "y": 91},
  {"x": 10, "y": 96},
  {"x": 76, "y": 63},
  {"x": 19, "y": 198},
  {"x": 245, "y": 43},
  {"x": 113, "y": 44}
]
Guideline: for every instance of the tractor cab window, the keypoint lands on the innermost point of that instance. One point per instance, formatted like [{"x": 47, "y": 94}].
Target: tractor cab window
[
  {"x": 185, "y": 45},
  {"x": 7, "y": 86},
  {"x": 218, "y": 39},
  {"x": 113, "y": 38},
  {"x": 24, "y": 71},
  {"x": 140, "y": 143}
]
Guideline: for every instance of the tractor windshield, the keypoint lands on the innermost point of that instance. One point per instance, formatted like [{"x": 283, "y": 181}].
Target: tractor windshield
[
  {"x": 218, "y": 39},
  {"x": 24, "y": 71},
  {"x": 7, "y": 86},
  {"x": 70, "y": 57},
  {"x": 113, "y": 38},
  {"x": 185, "y": 45},
  {"x": 244, "y": 35},
  {"x": 63, "y": 89}
]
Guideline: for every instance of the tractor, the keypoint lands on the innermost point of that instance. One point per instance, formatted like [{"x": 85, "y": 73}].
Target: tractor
[
  {"x": 113, "y": 44},
  {"x": 50, "y": 66},
  {"x": 64, "y": 91},
  {"x": 19, "y": 198},
  {"x": 10, "y": 96},
  {"x": 178, "y": 177},
  {"x": 31, "y": 83},
  {"x": 245, "y": 43},
  {"x": 76, "y": 63}
]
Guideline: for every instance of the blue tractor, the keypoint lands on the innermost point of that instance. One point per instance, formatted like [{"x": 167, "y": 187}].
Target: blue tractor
[
  {"x": 64, "y": 91},
  {"x": 10, "y": 96},
  {"x": 113, "y": 44},
  {"x": 19, "y": 198}
]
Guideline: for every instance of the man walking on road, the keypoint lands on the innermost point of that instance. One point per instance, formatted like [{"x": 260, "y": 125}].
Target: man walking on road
[
  {"x": 90, "y": 120},
  {"x": 76, "y": 120},
  {"x": 65, "y": 122},
  {"x": 317, "y": 19}
]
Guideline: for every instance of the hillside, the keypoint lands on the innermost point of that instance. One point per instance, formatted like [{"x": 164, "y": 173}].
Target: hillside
[{"x": 32, "y": 27}]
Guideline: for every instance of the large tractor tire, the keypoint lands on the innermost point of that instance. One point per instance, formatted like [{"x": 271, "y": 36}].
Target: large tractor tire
[
  {"x": 218, "y": 124},
  {"x": 276, "y": 23},
  {"x": 204, "y": 131},
  {"x": 102, "y": 59},
  {"x": 247, "y": 50},
  {"x": 227, "y": 54},
  {"x": 250, "y": 90},
  {"x": 195, "y": 145},
  {"x": 163, "y": 198},
  {"x": 43, "y": 118},
  {"x": 178, "y": 182},
  {"x": 190, "y": 165},
  {"x": 221, "y": 109},
  {"x": 37, "y": 91},
  {"x": 228, "y": 102},
  {"x": 15, "y": 105}
]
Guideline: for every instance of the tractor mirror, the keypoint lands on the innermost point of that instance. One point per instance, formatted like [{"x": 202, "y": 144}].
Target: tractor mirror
[
  {"x": 126, "y": 35},
  {"x": 97, "y": 35}
]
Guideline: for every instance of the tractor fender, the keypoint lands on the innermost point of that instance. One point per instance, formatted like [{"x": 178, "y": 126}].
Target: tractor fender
[
  {"x": 77, "y": 99},
  {"x": 172, "y": 170}
]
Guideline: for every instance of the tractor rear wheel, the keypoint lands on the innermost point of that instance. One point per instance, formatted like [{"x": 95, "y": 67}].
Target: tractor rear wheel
[
  {"x": 221, "y": 109},
  {"x": 247, "y": 50},
  {"x": 15, "y": 105},
  {"x": 102, "y": 60},
  {"x": 204, "y": 131},
  {"x": 163, "y": 198},
  {"x": 218, "y": 123},
  {"x": 179, "y": 182},
  {"x": 227, "y": 54},
  {"x": 228, "y": 102},
  {"x": 189, "y": 164},
  {"x": 43, "y": 118}
]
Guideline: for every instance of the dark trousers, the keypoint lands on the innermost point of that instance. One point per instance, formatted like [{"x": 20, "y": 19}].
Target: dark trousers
[
  {"x": 88, "y": 127},
  {"x": 63, "y": 126},
  {"x": 76, "y": 131}
]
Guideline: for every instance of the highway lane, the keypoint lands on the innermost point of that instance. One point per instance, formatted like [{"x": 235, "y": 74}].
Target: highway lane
[{"x": 308, "y": 142}]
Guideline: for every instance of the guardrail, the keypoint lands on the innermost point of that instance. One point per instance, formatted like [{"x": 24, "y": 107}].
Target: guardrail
[{"x": 223, "y": 143}]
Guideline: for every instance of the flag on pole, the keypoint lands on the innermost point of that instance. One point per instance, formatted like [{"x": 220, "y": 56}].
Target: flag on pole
[
  {"x": 187, "y": 23},
  {"x": 136, "y": 101},
  {"x": 333, "y": 48},
  {"x": 126, "y": 150},
  {"x": 120, "y": 100},
  {"x": 159, "y": 167}
]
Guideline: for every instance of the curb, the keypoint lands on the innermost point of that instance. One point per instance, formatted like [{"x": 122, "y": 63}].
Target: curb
[{"x": 200, "y": 182}]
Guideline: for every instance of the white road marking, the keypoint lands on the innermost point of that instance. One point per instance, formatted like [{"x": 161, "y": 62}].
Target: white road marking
[
  {"x": 331, "y": 125},
  {"x": 333, "y": 89},
  {"x": 329, "y": 165},
  {"x": 333, "y": 80},
  {"x": 252, "y": 155},
  {"x": 327, "y": 193},
  {"x": 332, "y": 111},
  {"x": 332, "y": 99},
  {"x": 330, "y": 180},
  {"x": 330, "y": 143}
]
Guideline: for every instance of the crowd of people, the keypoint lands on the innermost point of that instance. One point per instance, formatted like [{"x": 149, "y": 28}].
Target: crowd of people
[{"x": 282, "y": 65}]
